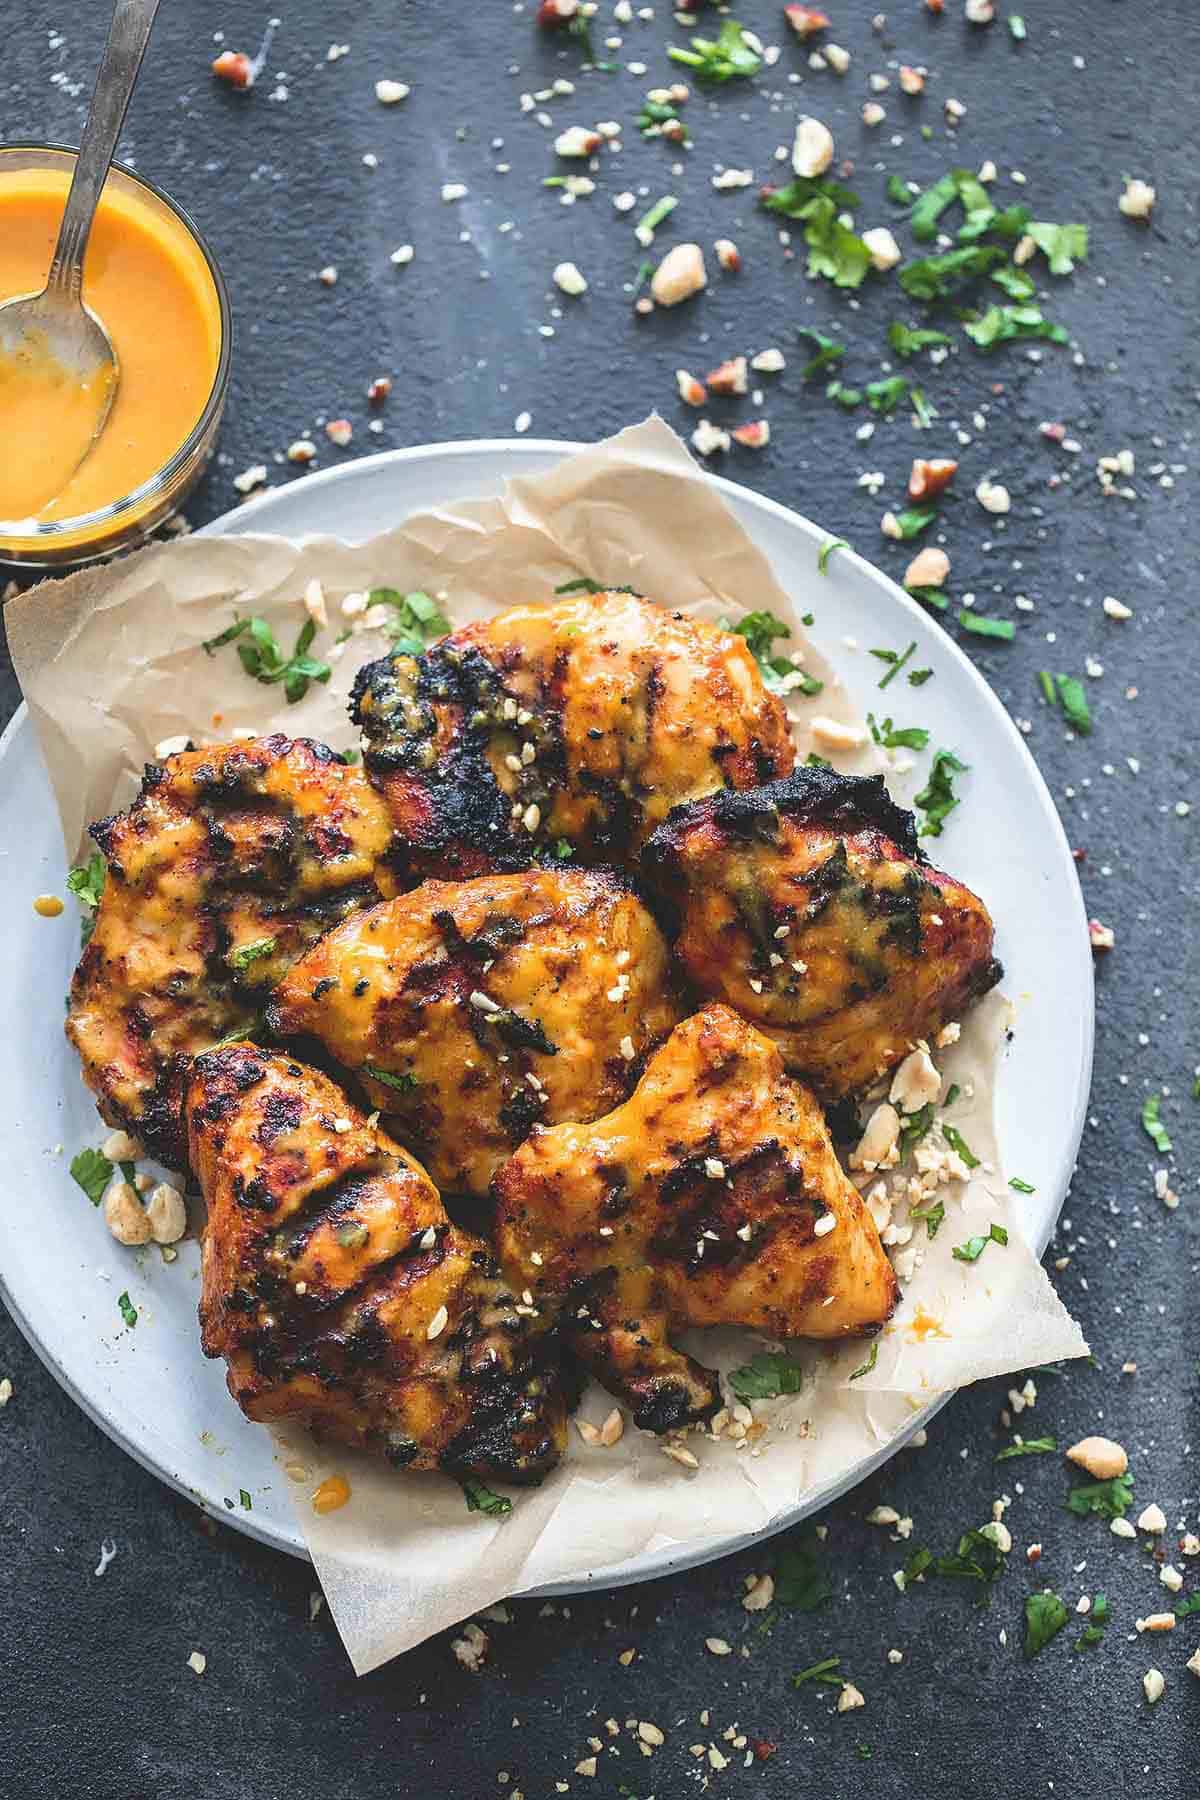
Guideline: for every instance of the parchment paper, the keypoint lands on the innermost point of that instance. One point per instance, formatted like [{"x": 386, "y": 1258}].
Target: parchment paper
[{"x": 111, "y": 663}]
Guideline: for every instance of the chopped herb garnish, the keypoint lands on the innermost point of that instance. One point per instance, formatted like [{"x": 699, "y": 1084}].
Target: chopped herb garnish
[
  {"x": 782, "y": 674},
  {"x": 1064, "y": 245},
  {"x": 906, "y": 341},
  {"x": 912, "y": 522},
  {"x": 925, "y": 413},
  {"x": 977, "y": 1557},
  {"x": 1153, "y": 1126},
  {"x": 1045, "y": 1616},
  {"x": 1003, "y": 324},
  {"x": 797, "y": 195},
  {"x": 127, "y": 1310},
  {"x": 937, "y": 798},
  {"x": 825, "y": 1672},
  {"x": 918, "y": 677},
  {"x": 246, "y": 1501},
  {"x": 93, "y": 1171},
  {"x": 897, "y": 659},
  {"x": 834, "y": 250},
  {"x": 481, "y": 1499},
  {"x": 961, "y": 1148},
  {"x": 238, "y": 1035},
  {"x": 974, "y": 1247},
  {"x": 1094, "y": 1631},
  {"x": 1016, "y": 27},
  {"x": 582, "y": 584},
  {"x": 932, "y": 1216},
  {"x": 766, "y": 1377},
  {"x": 564, "y": 850},
  {"x": 980, "y": 625},
  {"x": 1191, "y": 1604},
  {"x": 1073, "y": 700},
  {"x": 725, "y": 58},
  {"x": 259, "y": 653},
  {"x": 929, "y": 596},
  {"x": 827, "y": 351},
  {"x": 929, "y": 207},
  {"x": 86, "y": 882},
  {"x": 872, "y": 1359},
  {"x": 418, "y": 619},
  {"x": 655, "y": 215},
  {"x": 898, "y": 191},
  {"x": 1107, "y": 1499},
  {"x": 1022, "y": 1187},
  {"x": 245, "y": 954},
  {"x": 404, "y": 1084},
  {"x": 952, "y": 1093},
  {"x": 885, "y": 396},
  {"x": 911, "y": 737},
  {"x": 1015, "y": 282},
  {"x": 913, "y": 1127},
  {"x": 800, "y": 1580},
  {"x": 849, "y": 397},
  {"x": 826, "y": 551},
  {"x": 1042, "y": 1446},
  {"x": 938, "y": 277}
]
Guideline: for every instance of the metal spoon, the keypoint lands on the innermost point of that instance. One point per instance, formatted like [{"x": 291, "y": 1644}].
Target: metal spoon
[{"x": 54, "y": 333}]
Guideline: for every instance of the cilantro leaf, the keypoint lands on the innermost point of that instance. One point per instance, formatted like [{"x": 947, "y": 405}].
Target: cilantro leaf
[
  {"x": 977, "y": 1557},
  {"x": 896, "y": 659},
  {"x": 929, "y": 596},
  {"x": 127, "y": 1310},
  {"x": 824, "y": 1672},
  {"x": 891, "y": 737},
  {"x": 933, "y": 1216},
  {"x": 937, "y": 798},
  {"x": 913, "y": 1127},
  {"x": 259, "y": 654},
  {"x": 906, "y": 340},
  {"x": 245, "y": 954},
  {"x": 885, "y": 396},
  {"x": 93, "y": 1171},
  {"x": 418, "y": 619},
  {"x": 1015, "y": 282},
  {"x": 794, "y": 198},
  {"x": 1028, "y": 1447},
  {"x": 1064, "y": 245},
  {"x": 582, "y": 584},
  {"x": 959, "y": 1145},
  {"x": 974, "y": 1247},
  {"x": 1152, "y": 1125},
  {"x": 766, "y": 1377},
  {"x": 1003, "y": 324},
  {"x": 1072, "y": 697},
  {"x": 848, "y": 397},
  {"x": 981, "y": 625},
  {"x": 937, "y": 277},
  {"x": 929, "y": 207},
  {"x": 898, "y": 191},
  {"x": 1022, "y": 1187},
  {"x": 1045, "y": 1616},
  {"x": 1190, "y": 1604},
  {"x": 913, "y": 521},
  {"x": 800, "y": 1580},
  {"x": 86, "y": 882},
  {"x": 404, "y": 1084},
  {"x": 828, "y": 351},
  {"x": 481, "y": 1499},
  {"x": 1107, "y": 1499},
  {"x": 782, "y": 674},
  {"x": 725, "y": 58},
  {"x": 835, "y": 250}
]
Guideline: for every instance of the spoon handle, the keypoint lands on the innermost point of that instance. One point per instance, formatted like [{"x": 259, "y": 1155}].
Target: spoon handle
[{"x": 127, "y": 38}]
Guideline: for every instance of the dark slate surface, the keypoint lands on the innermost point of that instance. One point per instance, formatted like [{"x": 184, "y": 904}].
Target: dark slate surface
[{"x": 98, "y": 1696}]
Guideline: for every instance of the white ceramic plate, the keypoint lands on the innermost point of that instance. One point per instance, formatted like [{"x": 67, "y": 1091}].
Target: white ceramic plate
[{"x": 61, "y": 1274}]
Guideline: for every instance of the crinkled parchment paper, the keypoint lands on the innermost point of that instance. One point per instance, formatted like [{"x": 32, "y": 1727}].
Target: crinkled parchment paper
[{"x": 111, "y": 663}]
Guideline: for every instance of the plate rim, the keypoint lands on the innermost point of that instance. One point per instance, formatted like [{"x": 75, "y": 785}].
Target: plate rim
[{"x": 238, "y": 521}]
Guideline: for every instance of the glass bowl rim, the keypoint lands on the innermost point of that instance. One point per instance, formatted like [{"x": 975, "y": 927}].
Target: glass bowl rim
[{"x": 45, "y": 535}]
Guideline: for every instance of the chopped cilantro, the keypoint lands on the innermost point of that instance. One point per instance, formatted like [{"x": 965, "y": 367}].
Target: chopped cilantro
[
  {"x": 834, "y": 249},
  {"x": 865, "y": 1368},
  {"x": 246, "y": 1501},
  {"x": 913, "y": 1127},
  {"x": 655, "y": 114},
  {"x": 799, "y": 194},
  {"x": 937, "y": 798},
  {"x": 827, "y": 351},
  {"x": 932, "y": 1215},
  {"x": 1152, "y": 1125},
  {"x": 259, "y": 653},
  {"x": 924, "y": 413},
  {"x": 961, "y": 1148},
  {"x": 929, "y": 596},
  {"x": 826, "y": 551},
  {"x": 724, "y": 58},
  {"x": 766, "y": 1377},
  {"x": 654, "y": 215},
  {"x": 885, "y": 396},
  {"x": 906, "y": 341},
  {"x": 1022, "y": 1187},
  {"x": 929, "y": 207},
  {"x": 127, "y": 1310},
  {"x": 404, "y": 1084},
  {"x": 938, "y": 277},
  {"x": 1045, "y": 1616},
  {"x": 582, "y": 584},
  {"x": 974, "y": 1247},
  {"x": 1003, "y": 324},
  {"x": 800, "y": 1580},
  {"x": 781, "y": 674},
  {"x": 910, "y": 737},
  {"x": 897, "y": 660},
  {"x": 980, "y": 625},
  {"x": 824, "y": 1672},
  {"x": 1028, "y": 1447},
  {"x": 913, "y": 521},
  {"x": 481, "y": 1499},
  {"x": 977, "y": 1557},
  {"x": 418, "y": 620},
  {"x": 1107, "y": 1499},
  {"x": 564, "y": 850},
  {"x": 245, "y": 954},
  {"x": 1190, "y": 1604},
  {"x": 849, "y": 397},
  {"x": 86, "y": 882},
  {"x": 898, "y": 191},
  {"x": 93, "y": 1171},
  {"x": 1073, "y": 700},
  {"x": 1064, "y": 245},
  {"x": 1093, "y": 1632},
  {"x": 1015, "y": 282}
]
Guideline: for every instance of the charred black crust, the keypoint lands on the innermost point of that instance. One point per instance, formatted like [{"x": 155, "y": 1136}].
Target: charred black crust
[
  {"x": 808, "y": 796},
  {"x": 666, "y": 1404}
]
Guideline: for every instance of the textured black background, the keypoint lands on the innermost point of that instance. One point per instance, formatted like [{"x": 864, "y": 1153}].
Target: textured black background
[{"x": 98, "y": 1698}]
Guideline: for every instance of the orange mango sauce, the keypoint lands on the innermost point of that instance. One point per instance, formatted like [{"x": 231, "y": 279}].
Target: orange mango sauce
[{"x": 148, "y": 283}]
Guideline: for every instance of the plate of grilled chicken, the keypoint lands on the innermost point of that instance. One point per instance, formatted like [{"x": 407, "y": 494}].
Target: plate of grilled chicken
[{"x": 499, "y": 1057}]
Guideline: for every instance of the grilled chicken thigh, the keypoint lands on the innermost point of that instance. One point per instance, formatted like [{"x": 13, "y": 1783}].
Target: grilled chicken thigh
[
  {"x": 808, "y": 906},
  {"x": 711, "y": 1197},
  {"x": 584, "y": 721},
  {"x": 340, "y": 1294},
  {"x": 229, "y": 863},
  {"x": 473, "y": 1010}
]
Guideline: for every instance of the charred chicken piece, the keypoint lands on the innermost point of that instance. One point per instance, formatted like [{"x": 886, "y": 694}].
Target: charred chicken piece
[
  {"x": 712, "y": 1197},
  {"x": 229, "y": 863},
  {"x": 809, "y": 906},
  {"x": 472, "y": 1011},
  {"x": 340, "y": 1294},
  {"x": 582, "y": 723}
]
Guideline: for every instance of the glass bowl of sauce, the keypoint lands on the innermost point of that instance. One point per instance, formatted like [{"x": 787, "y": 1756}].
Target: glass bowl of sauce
[{"x": 155, "y": 285}]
